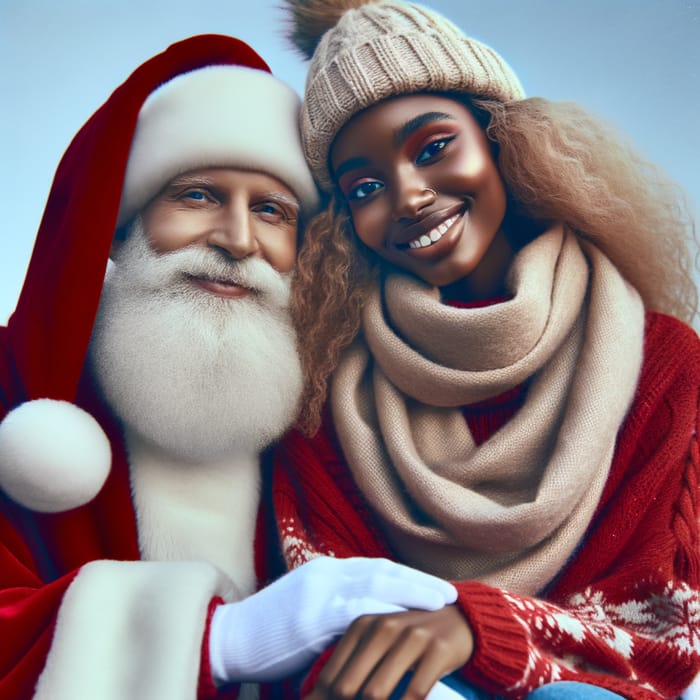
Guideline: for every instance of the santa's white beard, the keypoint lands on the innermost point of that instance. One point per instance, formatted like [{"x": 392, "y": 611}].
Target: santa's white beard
[{"x": 196, "y": 375}]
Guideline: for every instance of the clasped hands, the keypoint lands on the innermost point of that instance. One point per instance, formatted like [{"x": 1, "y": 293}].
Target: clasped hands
[{"x": 392, "y": 619}]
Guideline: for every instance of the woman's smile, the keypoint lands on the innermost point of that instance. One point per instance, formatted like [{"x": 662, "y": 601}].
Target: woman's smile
[
  {"x": 435, "y": 235},
  {"x": 427, "y": 232}
]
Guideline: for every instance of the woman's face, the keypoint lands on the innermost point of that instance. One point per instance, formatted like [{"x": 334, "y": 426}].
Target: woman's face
[{"x": 422, "y": 186}]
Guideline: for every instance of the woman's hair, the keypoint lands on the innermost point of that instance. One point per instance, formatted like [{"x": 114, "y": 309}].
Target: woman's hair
[{"x": 559, "y": 163}]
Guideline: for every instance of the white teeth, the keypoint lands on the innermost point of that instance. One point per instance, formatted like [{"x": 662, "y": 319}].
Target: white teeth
[{"x": 427, "y": 239}]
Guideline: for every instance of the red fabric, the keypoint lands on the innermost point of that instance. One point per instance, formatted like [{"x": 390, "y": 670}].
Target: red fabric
[
  {"x": 207, "y": 689},
  {"x": 42, "y": 352},
  {"x": 39, "y": 558},
  {"x": 486, "y": 417},
  {"x": 624, "y": 611},
  {"x": 41, "y": 555}
]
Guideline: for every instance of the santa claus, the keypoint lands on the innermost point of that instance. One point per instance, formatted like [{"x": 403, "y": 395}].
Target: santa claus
[{"x": 136, "y": 400}]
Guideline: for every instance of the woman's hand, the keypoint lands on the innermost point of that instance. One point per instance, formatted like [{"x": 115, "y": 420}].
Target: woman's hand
[
  {"x": 377, "y": 651},
  {"x": 282, "y": 628}
]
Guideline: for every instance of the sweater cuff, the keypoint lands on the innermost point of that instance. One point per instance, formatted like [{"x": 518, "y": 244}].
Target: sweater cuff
[
  {"x": 206, "y": 688},
  {"x": 501, "y": 641}
]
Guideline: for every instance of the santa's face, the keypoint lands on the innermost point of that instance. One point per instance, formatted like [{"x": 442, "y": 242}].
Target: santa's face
[
  {"x": 193, "y": 346},
  {"x": 238, "y": 213}
]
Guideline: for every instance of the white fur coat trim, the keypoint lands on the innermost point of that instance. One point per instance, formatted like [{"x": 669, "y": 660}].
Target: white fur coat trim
[
  {"x": 131, "y": 630},
  {"x": 202, "y": 119},
  {"x": 202, "y": 512}
]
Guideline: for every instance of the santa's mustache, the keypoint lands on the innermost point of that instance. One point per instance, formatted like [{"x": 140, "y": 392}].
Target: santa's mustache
[{"x": 140, "y": 267}]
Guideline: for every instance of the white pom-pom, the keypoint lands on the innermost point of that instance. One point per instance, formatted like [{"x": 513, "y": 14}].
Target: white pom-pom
[{"x": 53, "y": 456}]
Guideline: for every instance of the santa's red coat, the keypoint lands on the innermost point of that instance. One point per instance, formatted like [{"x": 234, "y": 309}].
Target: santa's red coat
[{"x": 45, "y": 557}]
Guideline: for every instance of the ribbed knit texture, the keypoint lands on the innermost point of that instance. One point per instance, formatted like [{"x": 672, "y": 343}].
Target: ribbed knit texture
[
  {"x": 384, "y": 49},
  {"x": 486, "y": 417},
  {"x": 624, "y": 611}
]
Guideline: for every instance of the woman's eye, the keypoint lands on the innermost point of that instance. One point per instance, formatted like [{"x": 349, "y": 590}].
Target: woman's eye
[
  {"x": 364, "y": 189},
  {"x": 432, "y": 149}
]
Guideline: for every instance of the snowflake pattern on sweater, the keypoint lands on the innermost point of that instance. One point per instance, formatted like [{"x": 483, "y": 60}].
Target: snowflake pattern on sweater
[
  {"x": 586, "y": 620},
  {"x": 671, "y": 617}
]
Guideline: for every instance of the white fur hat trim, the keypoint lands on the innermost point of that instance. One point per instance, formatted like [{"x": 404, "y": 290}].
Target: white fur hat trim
[
  {"x": 54, "y": 456},
  {"x": 218, "y": 116}
]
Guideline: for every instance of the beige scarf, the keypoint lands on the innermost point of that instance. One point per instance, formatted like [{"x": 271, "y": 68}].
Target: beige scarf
[{"x": 510, "y": 511}]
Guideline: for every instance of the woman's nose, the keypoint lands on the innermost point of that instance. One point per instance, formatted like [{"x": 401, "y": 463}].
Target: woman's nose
[{"x": 412, "y": 195}]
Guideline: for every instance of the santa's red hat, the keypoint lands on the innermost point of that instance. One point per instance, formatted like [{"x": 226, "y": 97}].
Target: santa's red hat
[{"x": 206, "y": 101}]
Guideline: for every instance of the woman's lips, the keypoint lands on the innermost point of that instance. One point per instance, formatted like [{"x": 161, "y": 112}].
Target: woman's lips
[
  {"x": 429, "y": 230},
  {"x": 433, "y": 236}
]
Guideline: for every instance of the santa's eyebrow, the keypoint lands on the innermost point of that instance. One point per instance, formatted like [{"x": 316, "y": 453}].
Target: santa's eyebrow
[
  {"x": 195, "y": 180},
  {"x": 189, "y": 180}
]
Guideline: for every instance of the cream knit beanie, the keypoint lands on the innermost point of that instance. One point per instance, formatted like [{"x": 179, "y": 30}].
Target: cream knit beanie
[{"x": 364, "y": 51}]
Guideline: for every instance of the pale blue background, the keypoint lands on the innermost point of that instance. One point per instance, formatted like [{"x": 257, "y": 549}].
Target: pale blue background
[{"x": 636, "y": 62}]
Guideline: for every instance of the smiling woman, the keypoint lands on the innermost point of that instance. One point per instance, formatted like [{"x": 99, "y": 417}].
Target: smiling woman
[
  {"x": 492, "y": 311},
  {"x": 422, "y": 185}
]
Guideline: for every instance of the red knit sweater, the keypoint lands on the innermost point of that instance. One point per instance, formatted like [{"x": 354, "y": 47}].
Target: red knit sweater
[{"x": 625, "y": 611}]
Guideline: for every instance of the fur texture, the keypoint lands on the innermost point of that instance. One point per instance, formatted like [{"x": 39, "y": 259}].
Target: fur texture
[
  {"x": 131, "y": 630},
  {"x": 199, "y": 376},
  {"x": 202, "y": 513},
  {"x": 53, "y": 455},
  {"x": 309, "y": 20},
  {"x": 200, "y": 119}
]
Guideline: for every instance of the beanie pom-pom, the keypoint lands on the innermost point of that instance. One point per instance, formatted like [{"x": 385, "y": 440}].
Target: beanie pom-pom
[
  {"x": 54, "y": 456},
  {"x": 311, "y": 19}
]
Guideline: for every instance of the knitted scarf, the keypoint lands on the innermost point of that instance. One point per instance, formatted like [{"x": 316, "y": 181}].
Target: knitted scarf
[{"x": 510, "y": 511}]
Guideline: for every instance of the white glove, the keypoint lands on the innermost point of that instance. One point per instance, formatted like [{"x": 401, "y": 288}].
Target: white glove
[{"x": 282, "y": 628}]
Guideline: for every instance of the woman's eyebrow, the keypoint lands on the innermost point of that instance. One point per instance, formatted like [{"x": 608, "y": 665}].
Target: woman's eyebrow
[
  {"x": 412, "y": 125},
  {"x": 350, "y": 164}
]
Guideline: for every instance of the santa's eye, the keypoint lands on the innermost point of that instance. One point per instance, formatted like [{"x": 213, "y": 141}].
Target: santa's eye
[
  {"x": 274, "y": 211},
  {"x": 196, "y": 195}
]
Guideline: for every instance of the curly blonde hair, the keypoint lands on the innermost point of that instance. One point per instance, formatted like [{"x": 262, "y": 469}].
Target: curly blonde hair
[{"x": 559, "y": 163}]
